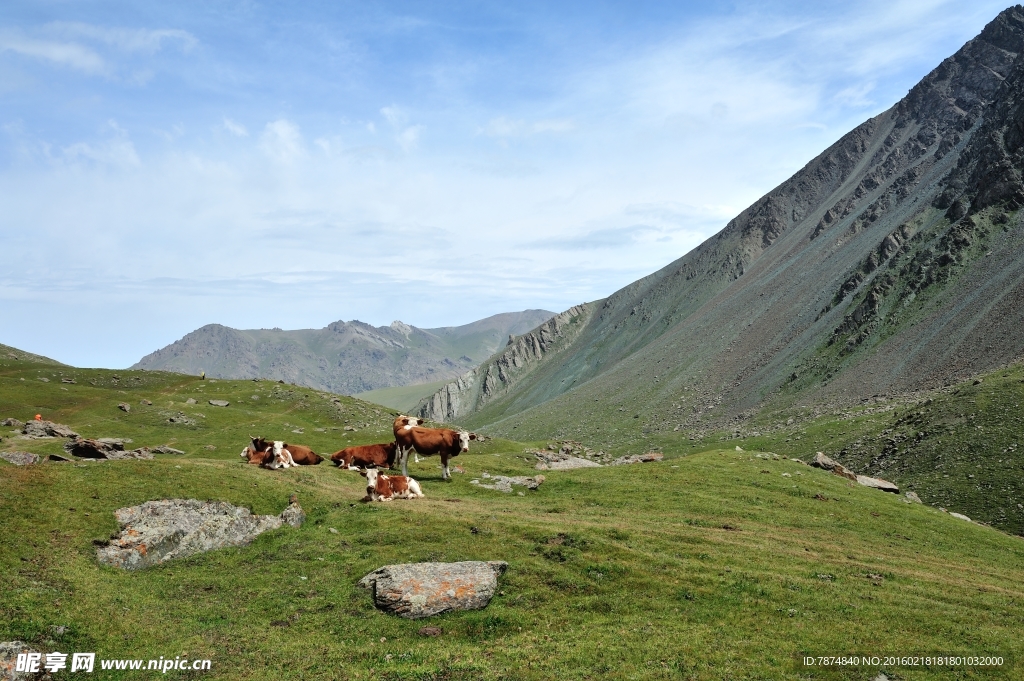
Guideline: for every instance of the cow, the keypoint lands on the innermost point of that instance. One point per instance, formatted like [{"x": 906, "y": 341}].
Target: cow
[
  {"x": 380, "y": 487},
  {"x": 281, "y": 453},
  {"x": 403, "y": 422},
  {"x": 365, "y": 456},
  {"x": 428, "y": 441},
  {"x": 272, "y": 457}
]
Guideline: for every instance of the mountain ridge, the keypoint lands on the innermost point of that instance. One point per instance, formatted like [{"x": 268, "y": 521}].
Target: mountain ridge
[
  {"x": 343, "y": 357},
  {"x": 887, "y": 263}
]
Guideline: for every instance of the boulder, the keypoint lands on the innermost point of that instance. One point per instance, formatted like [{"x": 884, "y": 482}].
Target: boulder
[
  {"x": 158, "y": 531},
  {"x": 9, "y": 651},
  {"x": 12, "y": 423},
  {"x": 825, "y": 463},
  {"x": 41, "y": 429},
  {"x": 912, "y": 498},
  {"x": 416, "y": 590},
  {"x": 961, "y": 516},
  {"x": 220, "y": 403},
  {"x": 504, "y": 484},
  {"x": 125, "y": 407},
  {"x": 164, "y": 449},
  {"x": 637, "y": 458},
  {"x": 878, "y": 483},
  {"x": 191, "y": 400},
  {"x": 20, "y": 458}
]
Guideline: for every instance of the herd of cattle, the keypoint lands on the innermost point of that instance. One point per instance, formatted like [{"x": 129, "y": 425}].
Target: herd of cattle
[{"x": 410, "y": 437}]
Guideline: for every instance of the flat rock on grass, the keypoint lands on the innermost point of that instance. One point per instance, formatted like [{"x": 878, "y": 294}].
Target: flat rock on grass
[
  {"x": 825, "y": 463},
  {"x": 158, "y": 531},
  {"x": 9, "y": 651},
  {"x": 12, "y": 423},
  {"x": 104, "y": 448},
  {"x": 637, "y": 458},
  {"x": 416, "y": 590},
  {"x": 47, "y": 429},
  {"x": 220, "y": 403},
  {"x": 554, "y": 461},
  {"x": 504, "y": 483},
  {"x": 20, "y": 458},
  {"x": 878, "y": 483}
]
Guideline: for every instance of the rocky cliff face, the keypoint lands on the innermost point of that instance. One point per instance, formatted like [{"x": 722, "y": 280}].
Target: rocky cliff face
[
  {"x": 502, "y": 372},
  {"x": 344, "y": 357},
  {"x": 891, "y": 262}
]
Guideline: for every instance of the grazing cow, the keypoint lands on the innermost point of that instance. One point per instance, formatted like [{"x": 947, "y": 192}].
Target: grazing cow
[
  {"x": 366, "y": 456},
  {"x": 380, "y": 487},
  {"x": 428, "y": 441}
]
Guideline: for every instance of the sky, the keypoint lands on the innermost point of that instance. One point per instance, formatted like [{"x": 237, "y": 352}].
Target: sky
[{"x": 165, "y": 165}]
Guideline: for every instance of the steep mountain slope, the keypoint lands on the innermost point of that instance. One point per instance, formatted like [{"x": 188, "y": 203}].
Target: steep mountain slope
[
  {"x": 6, "y": 351},
  {"x": 891, "y": 262},
  {"x": 344, "y": 357}
]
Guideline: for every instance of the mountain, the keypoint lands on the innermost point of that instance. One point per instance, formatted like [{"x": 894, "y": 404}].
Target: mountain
[
  {"x": 892, "y": 262},
  {"x": 344, "y": 357},
  {"x": 6, "y": 351}
]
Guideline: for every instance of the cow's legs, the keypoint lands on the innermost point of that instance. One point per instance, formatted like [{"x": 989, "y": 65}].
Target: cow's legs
[
  {"x": 444, "y": 468},
  {"x": 405, "y": 460}
]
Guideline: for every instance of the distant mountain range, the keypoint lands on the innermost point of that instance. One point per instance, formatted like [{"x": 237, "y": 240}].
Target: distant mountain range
[
  {"x": 345, "y": 357},
  {"x": 892, "y": 262}
]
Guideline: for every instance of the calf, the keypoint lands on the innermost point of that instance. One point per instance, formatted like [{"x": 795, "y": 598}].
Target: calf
[
  {"x": 428, "y": 441},
  {"x": 380, "y": 487},
  {"x": 365, "y": 456},
  {"x": 298, "y": 455}
]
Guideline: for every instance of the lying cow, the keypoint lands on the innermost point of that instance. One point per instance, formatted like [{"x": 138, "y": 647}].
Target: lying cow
[
  {"x": 268, "y": 457},
  {"x": 380, "y": 487},
  {"x": 279, "y": 454},
  {"x": 428, "y": 441},
  {"x": 366, "y": 456}
]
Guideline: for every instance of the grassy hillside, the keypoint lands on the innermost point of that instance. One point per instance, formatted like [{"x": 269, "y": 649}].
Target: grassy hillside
[
  {"x": 403, "y": 398},
  {"x": 716, "y": 565}
]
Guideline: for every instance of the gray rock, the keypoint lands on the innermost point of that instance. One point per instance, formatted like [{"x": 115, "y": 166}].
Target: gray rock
[
  {"x": 12, "y": 423},
  {"x": 504, "y": 484},
  {"x": 878, "y": 483},
  {"x": 20, "y": 458},
  {"x": 44, "y": 379},
  {"x": 551, "y": 461},
  {"x": 961, "y": 516},
  {"x": 125, "y": 407},
  {"x": 191, "y": 400},
  {"x": 825, "y": 463},
  {"x": 9, "y": 651},
  {"x": 912, "y": 498},
  {"x": 219, "y": 403},
  {"x": 415, "y": 590},
  {"x": 158, "y": 531},
  {"x": 40, "y": 429},
  {"x": 164, "y": 449},
  {"x": 637, "y": 458}
]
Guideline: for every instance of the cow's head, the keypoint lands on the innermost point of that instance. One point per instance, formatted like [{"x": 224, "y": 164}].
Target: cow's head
[
  {"x": 464, "y": 438},
  {"x": 281, "y": 458},
  {"x": 371, "y": 479},
  {"x": 407, "y": 422}
]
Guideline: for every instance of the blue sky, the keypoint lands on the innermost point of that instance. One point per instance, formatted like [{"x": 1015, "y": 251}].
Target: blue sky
[{"x": 259, "y": 164}]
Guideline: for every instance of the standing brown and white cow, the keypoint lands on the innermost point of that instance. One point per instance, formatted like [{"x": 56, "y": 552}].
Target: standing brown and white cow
[{"x": 428, "y": 441}]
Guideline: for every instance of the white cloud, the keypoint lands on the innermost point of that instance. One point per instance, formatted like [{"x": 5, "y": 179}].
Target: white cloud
[
  {"x": 503, "y": 127},
  {"x": 282, "y": 141},
  {"x": 235, "y": 128},
  {"x": 127, "y": 39},
  {"x": 410, "y": 137},
  {"x": 116, "y": 150},
  {"x": 62, "y": 53}
]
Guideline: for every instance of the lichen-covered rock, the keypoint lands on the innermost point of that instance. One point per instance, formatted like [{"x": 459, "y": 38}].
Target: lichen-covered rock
[
  {"x": 825, "y": 463},
  {"x": 9, "y": 651},
  {"x": 104, "y": 448},
  {"x": 637, "y": 458},
  {"x": 20, "y": 458},
  {"x": 12, "y": 422},
  {"x": 415, "y": 590},
  {"x": 47, "y": 429},
  {"x": 158, "y": 531},
  {"x": 504, "y": 483}
]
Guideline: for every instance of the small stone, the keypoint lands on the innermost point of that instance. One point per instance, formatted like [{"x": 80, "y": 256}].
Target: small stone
[
  {"x": 125, "y": 407},
  {"x": 210, "y": 447},
  {"x": 332, "y": 530},
  {"x": 147, "y": 403},
  {"x": 429, "y": 631},
  {"x": 961, "y": 516},
  {"x": 219, "y": 403},
  {"x": 191, "y": 400},
  {"x": 20, "y": 458},
  {"x": 44, "y": 379},
  {"x": 913, "y": 498}
]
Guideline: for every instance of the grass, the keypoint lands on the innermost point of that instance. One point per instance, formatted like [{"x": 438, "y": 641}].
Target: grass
[{"x": 718, "y": 564}]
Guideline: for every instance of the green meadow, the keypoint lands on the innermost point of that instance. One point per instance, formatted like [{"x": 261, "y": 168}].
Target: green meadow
[{"x": 716, "y": 563}]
